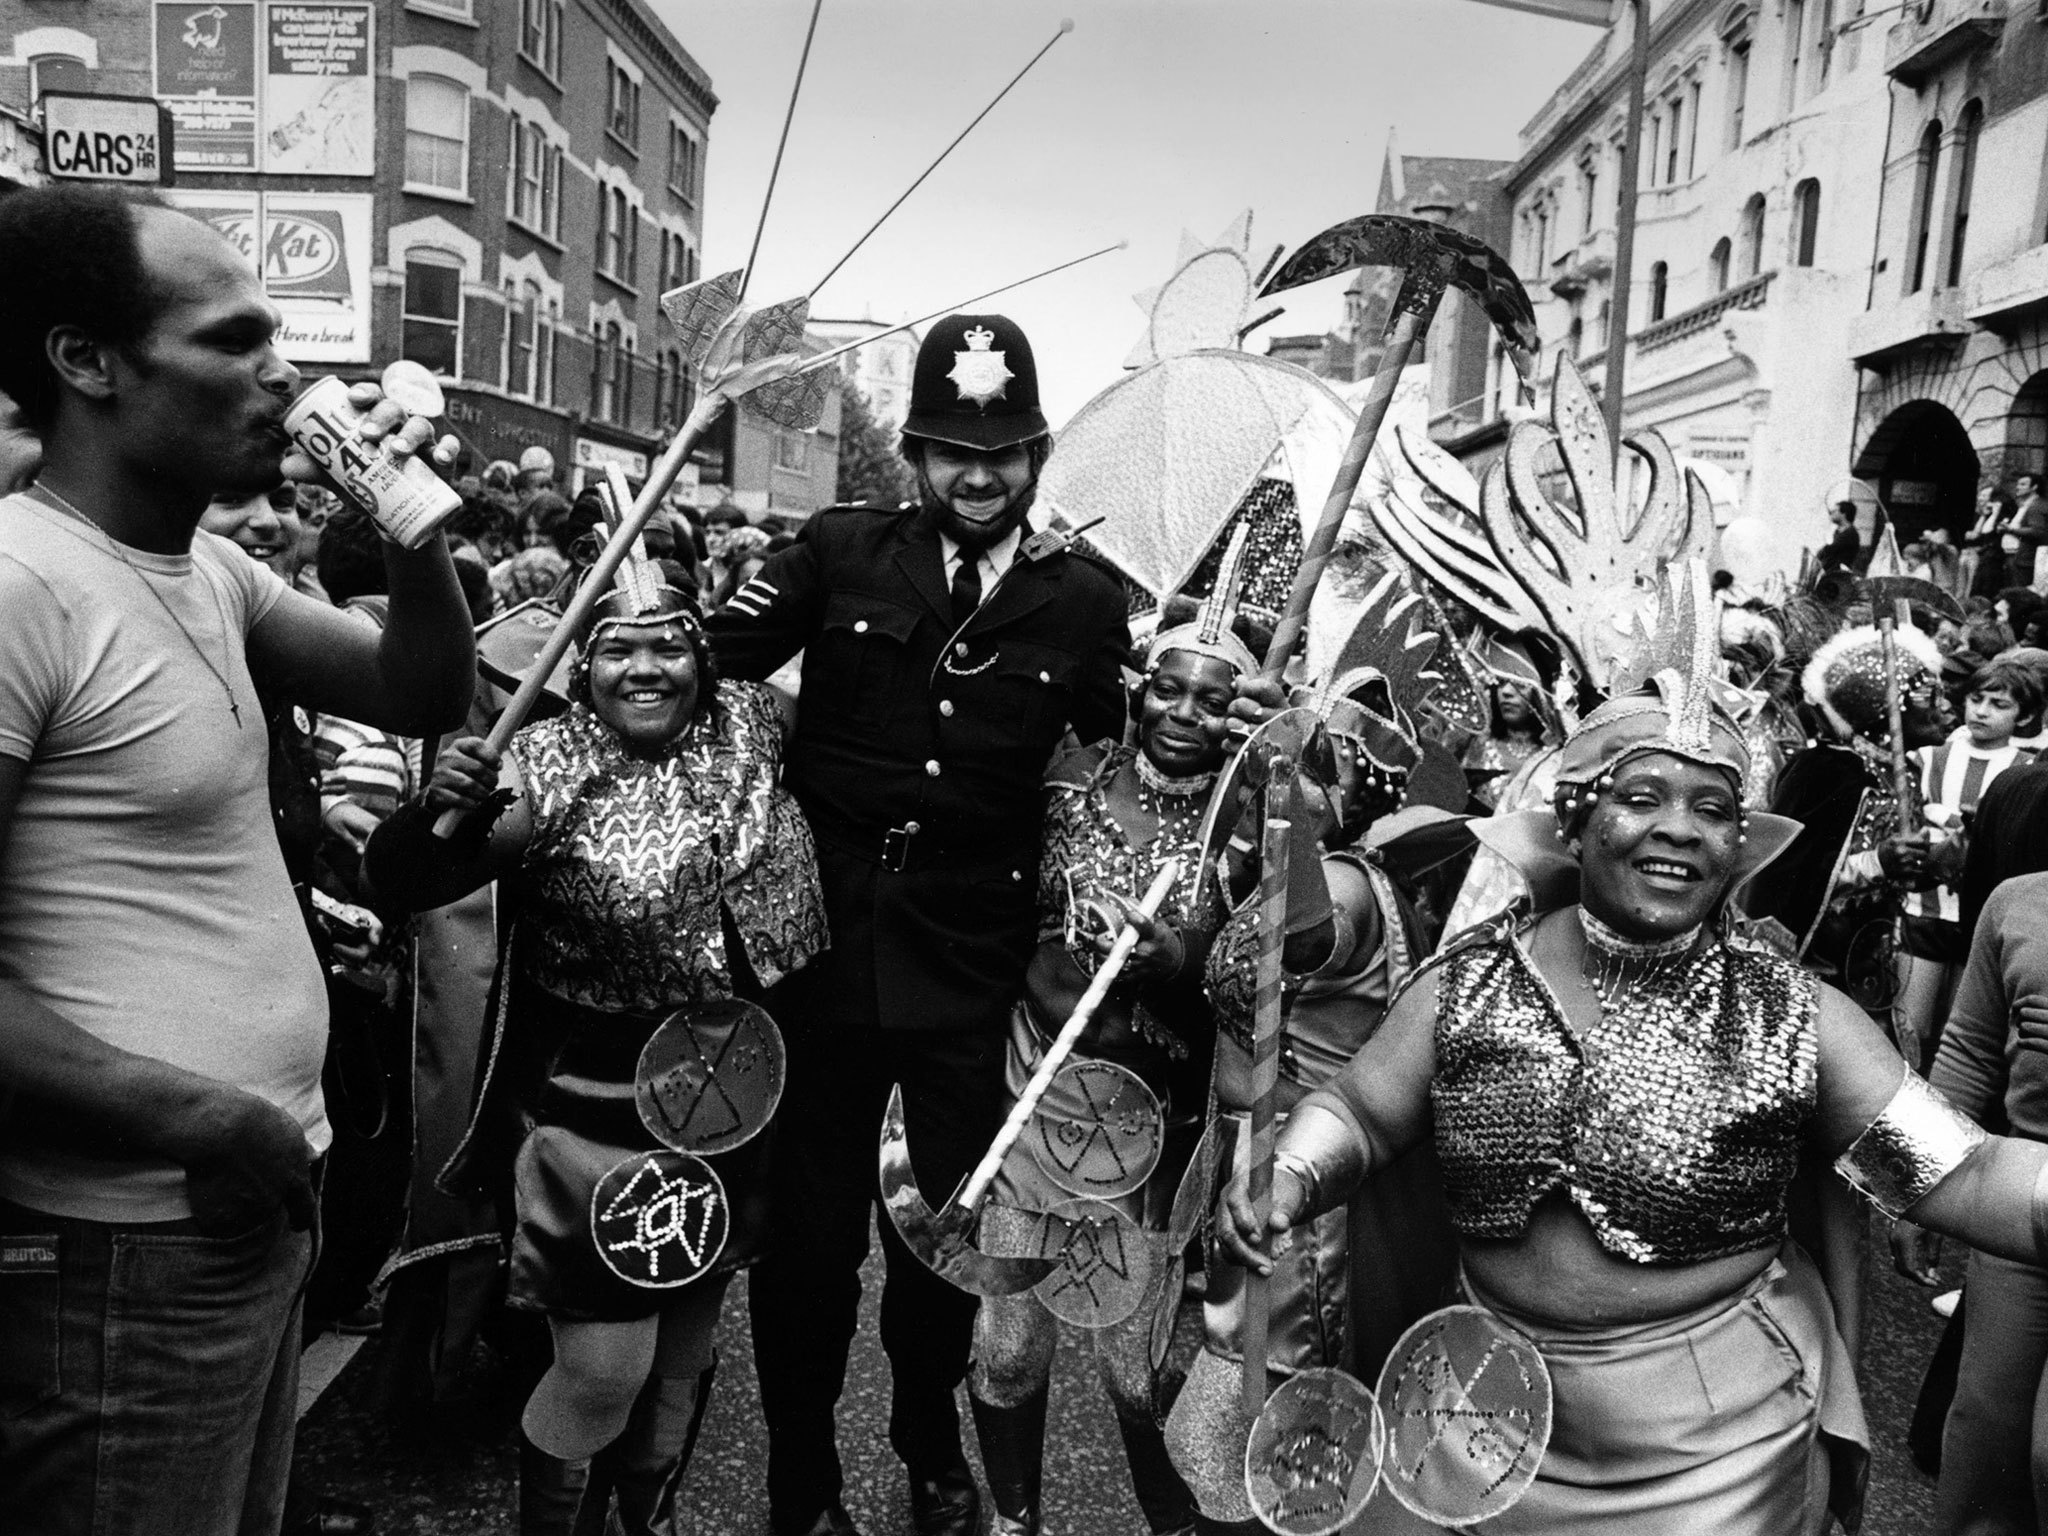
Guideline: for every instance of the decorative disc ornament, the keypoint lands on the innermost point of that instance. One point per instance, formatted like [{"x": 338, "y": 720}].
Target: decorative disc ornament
[
  {"x": 660, "y": 1218},
  {"x": 1313, "y": 1459},
  {"x": 1099, "y": 1130},
  {"x": 981, "y": 372},
  {"x": 1467, "y": 1403},
  {"x": 710, "y": 1077},
  {"x": 1105, "y": 1262}
]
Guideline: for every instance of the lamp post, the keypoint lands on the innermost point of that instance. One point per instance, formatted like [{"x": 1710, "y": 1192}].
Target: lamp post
[{"x": 1604, "y": 13}]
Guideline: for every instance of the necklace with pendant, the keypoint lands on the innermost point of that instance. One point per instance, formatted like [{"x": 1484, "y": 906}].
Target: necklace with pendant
[
  {"x": 1625, "y": 973},
  {"x": 113, "y": 547},
  {"x": 1175, "y": 805}
]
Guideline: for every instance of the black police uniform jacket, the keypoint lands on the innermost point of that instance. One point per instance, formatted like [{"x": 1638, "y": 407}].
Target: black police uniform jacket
[{"x": 919, "y": 753}]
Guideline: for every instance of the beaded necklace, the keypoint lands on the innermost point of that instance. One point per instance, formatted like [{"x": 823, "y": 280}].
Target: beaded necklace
[
  {"x": 1175, "y": 805},
  {"x": 1625, "y": 973}
]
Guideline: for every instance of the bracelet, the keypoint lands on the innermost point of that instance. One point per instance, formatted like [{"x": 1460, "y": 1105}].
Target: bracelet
[{"x": 1311, "y": 1182}]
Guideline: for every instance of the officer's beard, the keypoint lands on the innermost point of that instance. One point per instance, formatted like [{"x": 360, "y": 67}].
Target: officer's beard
[{"x": 973, "y": 535}]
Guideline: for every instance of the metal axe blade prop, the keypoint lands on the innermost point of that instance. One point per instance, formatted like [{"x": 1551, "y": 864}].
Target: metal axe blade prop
[
  {"x": 943, "y": 1239},
  {"x": 1430, "y": 257}
]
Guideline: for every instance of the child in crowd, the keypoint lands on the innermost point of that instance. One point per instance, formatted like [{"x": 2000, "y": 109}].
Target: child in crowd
[{"x": 2004, "y": 702}]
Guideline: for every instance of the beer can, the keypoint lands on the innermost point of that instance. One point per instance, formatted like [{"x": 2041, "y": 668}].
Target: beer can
[{"x": 405, "y": 498}]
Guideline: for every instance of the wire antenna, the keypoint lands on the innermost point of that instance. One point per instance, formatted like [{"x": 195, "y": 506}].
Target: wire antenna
[
  {"x": 1064, "y": 28},
  {"x": 747, "y": 272}
]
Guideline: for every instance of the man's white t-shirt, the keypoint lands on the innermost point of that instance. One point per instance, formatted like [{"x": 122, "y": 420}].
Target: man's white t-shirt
[{"x": 142, "y": 893}]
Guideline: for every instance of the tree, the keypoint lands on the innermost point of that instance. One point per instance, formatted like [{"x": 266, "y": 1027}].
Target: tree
[{"x": 869, "y": 469}]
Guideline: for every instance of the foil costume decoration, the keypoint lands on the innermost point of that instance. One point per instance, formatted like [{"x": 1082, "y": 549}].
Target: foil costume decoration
[
  {"x": 710, "y": 1078},
  {"x": 1312, "y": 1460},
  {"x": 659, "y": 1218},
  {"x": 1210, "y": 632},
  {"x": 1099, "y": 1130},
  {"x": 1916, "y": 1141},
  {"x": 1676, "y": 1136},
  {"x": 1468, "y": 1405}
]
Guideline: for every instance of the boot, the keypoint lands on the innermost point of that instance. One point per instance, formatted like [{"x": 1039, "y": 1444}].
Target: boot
[
  {"x": 1164, "y": 1498},
  {"x": 1013, "y": 1457},
  {"x": 646, "y": 1485},
  {"x": 550, "y": 1489}
]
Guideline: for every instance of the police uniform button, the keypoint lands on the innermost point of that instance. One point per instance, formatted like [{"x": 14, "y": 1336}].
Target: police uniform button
[
  {"x": 1017, "y": 874},
  {"x": 912, "y": 828},
  {"x": 1045, "y": 677},
  {"x": 932, "y": 767},
  {"x": 946, "y": 708},
  {"x": 960, "y": 649},
  {"x": 860, "y": 626}
]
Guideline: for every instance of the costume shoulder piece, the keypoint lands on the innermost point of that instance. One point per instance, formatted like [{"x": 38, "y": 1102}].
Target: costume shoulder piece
[{"x": 1502, "y": 928}]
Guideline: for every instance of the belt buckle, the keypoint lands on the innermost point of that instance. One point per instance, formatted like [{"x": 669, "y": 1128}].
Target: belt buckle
[{"x": 896, "y": 847}]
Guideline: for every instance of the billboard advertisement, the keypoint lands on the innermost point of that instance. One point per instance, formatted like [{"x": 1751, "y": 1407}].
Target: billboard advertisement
[
  {"x": 285, "y": 89},
  {"x": 206, "y": 74},
  {"x": 313, "y": 252}
]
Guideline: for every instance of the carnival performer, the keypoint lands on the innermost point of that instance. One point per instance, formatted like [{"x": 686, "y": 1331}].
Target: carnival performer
[
  {"x": 1116, "y": 814},
  {"x": 1620, "y": 1093},
  {"x": 1839, "y": 886},
  {"x": 655, "y": 866},
  {"x": 1352, "y": 941},
  {"x": 1520, "y": 723}
]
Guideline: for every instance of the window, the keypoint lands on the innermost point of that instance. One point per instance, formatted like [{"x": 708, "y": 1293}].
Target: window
[
  {"x": 1795, "y": 48},
  {"x": 57, "y": 72},
  {"x": 536, "y": 174},
  {"x": 1655, "y": 157},
  {"x": 1738, "y": 89},
  {"x": 1692, "y": 130},
  {"x": 436, "y": 134},
  {"x": 793, "y": 451},
  {"x": 1717, "y": 265},
  {"x": 1589, "y": 193},
  {"x": 1805, "y": 221},
  {"x": 529, "y": 343},
  {"x": 618, "y": 237},
  {"x": 1660, "y": 289},
  {"x": 622, "y": 119},
  {"x": 678, "y": 261},
  {"x": 460, "y": 9},
  {"x": 607, "y": 382},
  {"x": 1575, "y": 344},
  {"x": 540, "y": 35},
  {"x": 432, "y": 312},
  {"x": 671, "y": 389},
  {"x": 1925, "y": 174},
  {"x": 1752, "y": 237},
  {"x": 1823, "y": 47},
  {"x": 684, "y": 163},
  {"x": 1968, "y": 131},
  {"x": 1674, "y": 135}
]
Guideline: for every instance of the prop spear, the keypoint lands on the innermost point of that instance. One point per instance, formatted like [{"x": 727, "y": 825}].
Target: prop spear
[
  {"x": 941, "y": 1238},
  {"x": 1430, "y": 258}
]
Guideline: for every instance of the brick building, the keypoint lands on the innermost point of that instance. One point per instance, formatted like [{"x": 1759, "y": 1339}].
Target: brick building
[{"x": 499, "y": 189}]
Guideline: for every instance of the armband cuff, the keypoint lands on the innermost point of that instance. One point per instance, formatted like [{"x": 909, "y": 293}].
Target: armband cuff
[
  {"x": 1918, "y": 1140},
  {"x": 1319, "y": 1148},
  {"x": 2040, "y": 1204}
]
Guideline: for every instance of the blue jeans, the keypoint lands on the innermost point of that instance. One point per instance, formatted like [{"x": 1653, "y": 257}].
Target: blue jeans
[{"x": 148, "y": 1376}]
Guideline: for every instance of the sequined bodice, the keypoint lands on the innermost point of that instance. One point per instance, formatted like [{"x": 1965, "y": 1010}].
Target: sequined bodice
[
  {"x": 635, "y": 861},
  {"x": 1673, "y": 1126},
  {"x": 1087, "y": 853}
]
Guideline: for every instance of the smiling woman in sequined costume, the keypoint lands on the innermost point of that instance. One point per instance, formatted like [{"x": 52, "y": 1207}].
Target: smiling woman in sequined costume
[
  {"x": 655, "y": 864},
  {"x": 1619, "y": 1092},
  {"x": 1115, "y": 815}
]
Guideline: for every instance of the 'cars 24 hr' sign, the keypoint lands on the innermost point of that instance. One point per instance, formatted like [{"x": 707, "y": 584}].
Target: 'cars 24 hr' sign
[{"x": 106, "y": 138}]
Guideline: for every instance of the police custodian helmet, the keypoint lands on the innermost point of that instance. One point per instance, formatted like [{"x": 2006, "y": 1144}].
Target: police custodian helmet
[{"x": 976, "y": 385}]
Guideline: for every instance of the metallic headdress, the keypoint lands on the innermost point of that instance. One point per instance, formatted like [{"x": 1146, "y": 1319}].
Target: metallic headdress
[
  {"x": 1210, "y": 633},
  {"x": 1379, "y": 677},
  {"x": 1845, "y": 679},
  {"x": 642, "y": 594},
  {"x": 1666, "y": 692}
]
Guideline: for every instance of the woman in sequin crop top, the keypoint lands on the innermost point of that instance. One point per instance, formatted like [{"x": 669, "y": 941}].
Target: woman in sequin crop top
[
  {"x": 1619, "y": 1091},
  {"x": 655, "y": 864}
]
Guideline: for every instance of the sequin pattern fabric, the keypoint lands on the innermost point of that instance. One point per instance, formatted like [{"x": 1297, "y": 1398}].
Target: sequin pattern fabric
[
  {"x": 631, "y": 858},
  {"x": 1674, "y": 1124}
]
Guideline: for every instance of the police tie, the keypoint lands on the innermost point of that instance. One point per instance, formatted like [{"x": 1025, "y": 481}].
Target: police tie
[{"x": 966, "y": 587}]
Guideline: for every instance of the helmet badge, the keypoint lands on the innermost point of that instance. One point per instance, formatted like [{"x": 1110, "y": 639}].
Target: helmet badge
[{"x": 978, "y": 373}]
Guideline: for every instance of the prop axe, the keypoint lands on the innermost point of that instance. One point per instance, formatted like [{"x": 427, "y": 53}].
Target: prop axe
[
  {"x": 1430, "y": 257},
  {"x": 942, "y": 1239},
  {"x": 1891, "y": 601}
]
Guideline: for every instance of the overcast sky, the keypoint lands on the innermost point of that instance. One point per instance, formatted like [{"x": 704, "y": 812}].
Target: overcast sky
[{"x": 1151, "y": 116}]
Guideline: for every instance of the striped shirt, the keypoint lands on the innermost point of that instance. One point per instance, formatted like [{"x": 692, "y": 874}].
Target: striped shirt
[{"x": 1953, "y": 778}]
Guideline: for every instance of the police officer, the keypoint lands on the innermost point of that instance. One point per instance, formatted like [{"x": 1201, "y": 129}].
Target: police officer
[{"x": 947, "y": 650}]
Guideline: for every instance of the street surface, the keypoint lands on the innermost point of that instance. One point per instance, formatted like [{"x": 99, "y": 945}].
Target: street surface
[{"x": 453, "y": 1474}]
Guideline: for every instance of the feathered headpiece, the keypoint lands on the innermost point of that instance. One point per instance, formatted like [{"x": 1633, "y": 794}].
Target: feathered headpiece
[
  {"x": 1211, "y": 632},
  {"x": 1845, "y": 679},
  {"x": 641, "y": 593}
]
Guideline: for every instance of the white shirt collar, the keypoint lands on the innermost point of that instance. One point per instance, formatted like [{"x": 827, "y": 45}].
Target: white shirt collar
[{"x": 994, "y": 560}]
